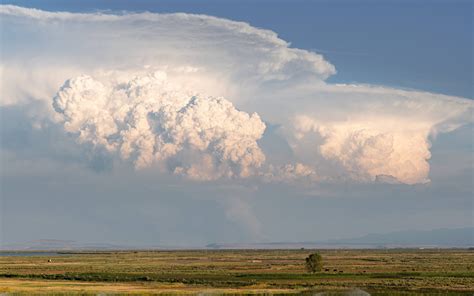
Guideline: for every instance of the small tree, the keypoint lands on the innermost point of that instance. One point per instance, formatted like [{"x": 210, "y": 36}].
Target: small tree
[{"x": 314, "y": 263}]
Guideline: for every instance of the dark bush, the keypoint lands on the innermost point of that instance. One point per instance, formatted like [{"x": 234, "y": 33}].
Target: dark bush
[{"x": 314, "y": 263}]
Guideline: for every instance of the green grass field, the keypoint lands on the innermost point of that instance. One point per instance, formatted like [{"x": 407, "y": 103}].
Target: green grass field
[{"x": 379, "y": 272}]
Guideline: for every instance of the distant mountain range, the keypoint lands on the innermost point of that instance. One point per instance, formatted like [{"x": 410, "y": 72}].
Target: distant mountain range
[
  {"x": 438, "y": 238},
  {"x": 58, "y": 245},
  {"x": 460, "y": 237}
]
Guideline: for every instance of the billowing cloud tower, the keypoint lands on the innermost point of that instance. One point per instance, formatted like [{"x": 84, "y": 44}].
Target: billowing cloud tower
[
  {"x": 148, "y": 120},
  {"x": 190, "y": 94}
]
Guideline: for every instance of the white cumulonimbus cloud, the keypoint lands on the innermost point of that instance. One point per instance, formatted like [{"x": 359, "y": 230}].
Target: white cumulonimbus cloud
[
  {"x": 148, "y": 88},
  {"x": 149, "y": 120},
  {"x": 390, "y": 136}
]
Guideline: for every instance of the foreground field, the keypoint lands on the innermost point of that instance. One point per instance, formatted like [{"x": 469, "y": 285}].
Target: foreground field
[{"x": 379, "y": 272}]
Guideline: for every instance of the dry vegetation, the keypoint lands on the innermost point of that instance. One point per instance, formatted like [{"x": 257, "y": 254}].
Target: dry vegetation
[{"x": 241, "y": 271}]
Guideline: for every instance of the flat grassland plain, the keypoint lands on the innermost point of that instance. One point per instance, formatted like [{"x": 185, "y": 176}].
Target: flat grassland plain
[{"x": 378, "y": 272}]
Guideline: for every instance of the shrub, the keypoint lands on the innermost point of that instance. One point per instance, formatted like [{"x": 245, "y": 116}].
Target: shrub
[{"x": 314, "y": 263}]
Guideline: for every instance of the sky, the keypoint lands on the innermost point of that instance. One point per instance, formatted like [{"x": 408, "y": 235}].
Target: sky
[{"x": 181, "y": 123}]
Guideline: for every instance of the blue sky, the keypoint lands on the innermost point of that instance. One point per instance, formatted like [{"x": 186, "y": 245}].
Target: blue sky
[{"x": 304, "y": 153}]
